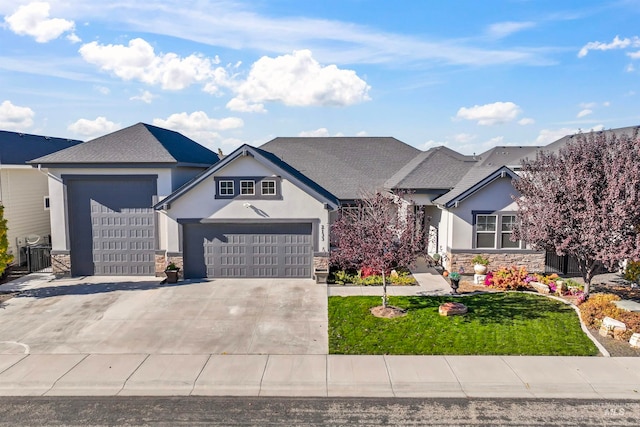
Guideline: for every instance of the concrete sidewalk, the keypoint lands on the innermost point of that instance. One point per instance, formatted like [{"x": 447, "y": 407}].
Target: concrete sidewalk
[{"x": 320, "y": 375}]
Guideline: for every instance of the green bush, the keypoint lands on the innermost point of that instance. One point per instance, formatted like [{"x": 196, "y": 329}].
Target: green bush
[
  {"x": 5, "y": 257},
  {"x": 597, "y": 307},
  {"x": 632, "y": 272}
]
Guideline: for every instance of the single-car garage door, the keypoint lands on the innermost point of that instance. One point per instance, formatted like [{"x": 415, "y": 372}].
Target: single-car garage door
[
  {"x": 247, "y": 250},
  {"x": 111, "y": 225}
]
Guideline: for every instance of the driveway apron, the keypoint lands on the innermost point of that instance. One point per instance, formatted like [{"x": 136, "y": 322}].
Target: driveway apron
[{"x": 105, "y": 315}]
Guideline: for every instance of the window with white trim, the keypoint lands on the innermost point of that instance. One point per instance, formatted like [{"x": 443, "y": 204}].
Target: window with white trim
[
  {"x": 507, "y": 222},
  {"x": 247, "y": 188},
  {"x": 268, "y": 188},
  {"x": 225, "y": 188},
  {"x": 494, "y": 231},
  {"x": 486, "y": 231}
]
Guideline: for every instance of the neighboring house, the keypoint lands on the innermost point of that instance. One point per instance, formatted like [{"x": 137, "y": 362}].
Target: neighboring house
[
  {"x": 23, "y": 189},
  {"x": 101, "y": 197},
  {"x": 133, "y": 201}
]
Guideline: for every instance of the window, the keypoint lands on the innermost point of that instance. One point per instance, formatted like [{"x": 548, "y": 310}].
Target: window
[
  {"x": 47, "y": 204},
  {"x": 226, "y": 188},
  {"x": 494, "y": 231},
  {"x": 506, "y": 231},
  {"x": 486, "y": 231},
  {"x": 247, "y": 188},
  {"x": 268, "y": 188}
]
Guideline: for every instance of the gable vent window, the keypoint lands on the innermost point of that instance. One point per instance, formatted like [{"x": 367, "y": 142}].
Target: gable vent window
[
  {"x": 247, "y": 188},
  {"x": 226, "y": 188},
  {"x": 268, "y": 188}
]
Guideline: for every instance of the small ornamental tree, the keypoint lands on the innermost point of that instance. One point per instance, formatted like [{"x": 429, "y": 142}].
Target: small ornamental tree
[
  {"x": 5, "y": 258},
  {"x": 583, "y": 201},
  {"x": 380, "y": 232}
]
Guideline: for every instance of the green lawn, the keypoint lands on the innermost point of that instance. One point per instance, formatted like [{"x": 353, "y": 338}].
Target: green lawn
[{"x": 500, "y": 323}]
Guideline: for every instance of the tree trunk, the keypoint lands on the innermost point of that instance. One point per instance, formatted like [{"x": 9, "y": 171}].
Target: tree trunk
[{"x": 384, "y": 290}]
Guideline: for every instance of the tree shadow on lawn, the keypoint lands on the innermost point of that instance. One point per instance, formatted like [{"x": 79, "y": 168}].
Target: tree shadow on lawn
[{"x": 495, "y": 307}]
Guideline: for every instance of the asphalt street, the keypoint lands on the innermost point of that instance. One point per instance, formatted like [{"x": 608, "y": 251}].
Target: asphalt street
[{"x": 241, "y": 411}]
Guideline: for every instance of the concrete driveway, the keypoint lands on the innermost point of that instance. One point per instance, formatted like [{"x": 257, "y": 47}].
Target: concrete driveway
[{"x": 139, "y": 315}]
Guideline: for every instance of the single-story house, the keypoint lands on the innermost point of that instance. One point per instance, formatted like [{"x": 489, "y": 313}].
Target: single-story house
[
  {"x": 132, "y": 201},
  {"x": 24, "y": 190}
]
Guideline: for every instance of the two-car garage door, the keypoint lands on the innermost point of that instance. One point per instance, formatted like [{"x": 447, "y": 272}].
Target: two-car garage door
[{"x": 247, "y": 250}]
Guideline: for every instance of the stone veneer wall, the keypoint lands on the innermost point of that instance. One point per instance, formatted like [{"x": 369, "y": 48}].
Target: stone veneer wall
[
  {"x": 534, "y": 261},
  {"x": 321, "y": 261},
  {"x": 61, "y": 264},
  {"x": 178, "y": 260},
  {"x": 163, "y": 259}
]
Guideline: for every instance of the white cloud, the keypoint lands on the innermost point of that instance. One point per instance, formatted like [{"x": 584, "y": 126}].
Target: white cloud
[
  {"x": 634, "y": 55},
  {"x": 298, "y": 80},
  {"x": 145, "y": 96},
  {"x": 547, "y": 136},
  {"x": 14, "y": 117},
  {"x": 504, "y": 29},
  {"x": 464, "y": 137},
  {"x": 490, "y": 114},
  {"x": 321, "y": 132},
  {"x": 243, "y": 106},
  {"x": 103, "y": 90},
  {"x": 630, "y": 68},
  {"x": 526, "y": 121},
  {"x": 138, "y": 61},
  {"x": 199, "y": 126},
  {"x": 588, "y": 105},
  {"x": 584, "y": 113},
  {"x": 93, "y": 128},
  {"x": 606, "y": 104},
  {"x": 617, "y": 43},
  {"x": 362, "y": 133},
  {"x": 33, "y": 20}
]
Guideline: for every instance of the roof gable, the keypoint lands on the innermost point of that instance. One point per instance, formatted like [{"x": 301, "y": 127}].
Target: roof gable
[
  {"x": 265, "y": 158},
  {"x": 344, "y": 166},
  {"x": 18, "y": 148},
  {"x": 137, "y": 144},
  {"x": 436, "y": 168},
  {"x": 474, "y": 180}
]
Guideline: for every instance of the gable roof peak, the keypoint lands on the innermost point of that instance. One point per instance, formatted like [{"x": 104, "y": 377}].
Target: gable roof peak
[{"x": 140, "y": 143}]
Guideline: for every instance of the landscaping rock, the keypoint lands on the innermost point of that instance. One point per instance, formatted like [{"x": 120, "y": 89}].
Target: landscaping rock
[
  {"x": 612, "y": 327},
  {"x": 540, "y": 287},
  {"x": 634, "y": 341},
  {"x": 613, "y": 323},
  {"x": 452, "y": 308},
  {"x": 479, "y": 279}
]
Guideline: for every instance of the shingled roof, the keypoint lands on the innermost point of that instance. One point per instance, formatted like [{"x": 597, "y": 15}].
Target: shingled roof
[
  {"x": 345, "y": 166},
  {"x": 137, "y": 144},
  {"x": 436, "y": 168},
  {"x": 497, "y": 159},
  {"x": 18, "y": 148}
]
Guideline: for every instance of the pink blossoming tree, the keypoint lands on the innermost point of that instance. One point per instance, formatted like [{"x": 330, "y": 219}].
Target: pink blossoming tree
[
  {"x": 380, "y": 232},
  {"x": 584, "y": 201}
]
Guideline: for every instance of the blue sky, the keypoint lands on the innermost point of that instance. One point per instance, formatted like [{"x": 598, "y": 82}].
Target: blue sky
[{"x": 466, "y": 74}]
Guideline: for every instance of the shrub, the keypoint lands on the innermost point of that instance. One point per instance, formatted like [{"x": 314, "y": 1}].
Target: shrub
[
  {"x": 632, "y": 272},
  {"x": 479, "y": 259},
  {"x": 631, "y": 319},
  {"x": 509, "y": 278},
  {"x": 5, "y": 258},
  {"x": 597, "y": 307},
  {"x": 546, "y": 279}
]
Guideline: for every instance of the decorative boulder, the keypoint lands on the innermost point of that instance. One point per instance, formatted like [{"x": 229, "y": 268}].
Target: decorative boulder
[
  {"x": 611, "y": 327},
  {"x": 540, "y": 287},
  {"x": 634, "y": 341},
  {"x": 452, "y": 308}
]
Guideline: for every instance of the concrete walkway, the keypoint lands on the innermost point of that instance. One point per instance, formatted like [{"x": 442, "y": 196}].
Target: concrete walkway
[
  {"x": 320, "y": 375},
  {"x": 122, "y": 374}
]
